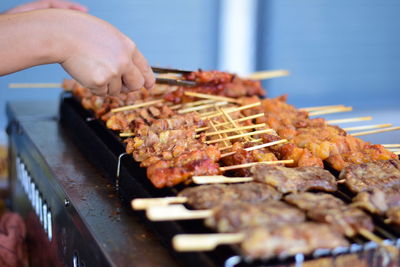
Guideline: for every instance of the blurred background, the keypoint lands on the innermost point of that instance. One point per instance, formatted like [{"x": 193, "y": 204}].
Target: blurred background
[{"x": 338, "y": 52}]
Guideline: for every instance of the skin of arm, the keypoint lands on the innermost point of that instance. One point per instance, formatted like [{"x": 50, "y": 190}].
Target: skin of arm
[
  {"x": 41, "y": 4},
  {"x": 91, "y": 50}
]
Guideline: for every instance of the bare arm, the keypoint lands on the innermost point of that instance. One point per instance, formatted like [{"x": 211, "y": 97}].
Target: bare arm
[{"x": 91, "y": 50}]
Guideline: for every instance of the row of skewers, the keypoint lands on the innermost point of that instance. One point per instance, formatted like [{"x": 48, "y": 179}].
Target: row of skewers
[{"x": 193, "y": 134}]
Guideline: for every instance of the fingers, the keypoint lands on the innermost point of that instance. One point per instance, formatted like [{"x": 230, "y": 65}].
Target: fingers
[
  {"x": 144, "y": 67},
  {"x": 100, "y": 91},
  {"x": 68, "y": 5},
  {"x": 114, "y": 86},
  {"x": 133, "y": 78}
]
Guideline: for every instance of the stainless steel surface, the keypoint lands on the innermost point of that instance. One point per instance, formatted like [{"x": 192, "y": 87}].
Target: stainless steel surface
[{"x": 73, "y": 215}]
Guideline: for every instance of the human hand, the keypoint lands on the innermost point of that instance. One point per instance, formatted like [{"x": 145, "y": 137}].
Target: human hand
[
  {"x": 42, "y": 4},
  {"x": 99, "y": 56}
]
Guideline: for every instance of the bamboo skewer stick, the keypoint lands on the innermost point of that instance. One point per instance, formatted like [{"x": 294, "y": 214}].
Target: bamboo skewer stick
[
  {"x": 252, "y": 141},
  {"x": 144, "y": 203},
  {"x": 366, "y": 127},
  {"x": 257, "y": 147},
  {"x": 232, "y": 110},
  {"x": 175, "y": 212},
  {"x": 320, "y": 108},
  {"x": 34, "y": 85},
  {"x": 215, "y": 97},
  {"x": 227, "y": 123},
  {"x": 376, "y": 131},
  {"x": 140, "y": 105},
  {"x": 251, "y": 164},
  {"x": 234, "y": 129},
  {"x": 193, "y": 103},
  {"x": 371, "y": 236},
  {"x": 196, "y": 108},
  {"x": 227, "y": 117},
  {"x": 367, "y": 118},
  {"x": 226, "y": 142},
  {"x": 220, "y": 179},
  {"x": 204, "y": 242},
  {"x": 239, "y": 136},
  {"x": 390, "y": 145},
  {"x": 126, "y": 134},
  {"x": 267, "y": 74},
  {"x": 396, "y": 152},
  {"x": 330, "y": 111}
]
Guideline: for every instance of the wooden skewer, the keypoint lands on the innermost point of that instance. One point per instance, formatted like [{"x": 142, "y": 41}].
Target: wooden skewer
[
  {"x": 371, "y": 236},
  {"x": 227, "y": 123},
  {"x": 214, "y": 97},
  {"x": 251, "y": 164},
  {"x": 196, "y": 108},
  {"x": 34, "y": 85},
  {"x": 144, "y": 203},
  {"x": 341, "y": 181},
  {"x": 330, "y": 111},
  {"x": 267, "y": 74},
  {"x": 126, "y": 134},
  {"x": 140, "y": 105},
  {"x": 226, "y": 142},
  {"x": 320, "y": 107},
  {"x": 252, "y": 141},
  {"x": 234, "y": 124},
  {"x": 235, "y": 129},
  {"x": 204, "y": 242},
  {"x": 396, "y": 152},
  {"x": 366, "y": 127},
  {"x": 257, "y": 147},
  {"x": 193, "y": 103},
  {"x": 367, "y": 118},
  {"x": 232, "y": 110},
  {"x": 391, "y": 145},
  {"x": 220, "y": 179},
  {"x": 376, "y": 131},
  {"x": 238, "y": 136},
  {"x": 175, "y": 212}
]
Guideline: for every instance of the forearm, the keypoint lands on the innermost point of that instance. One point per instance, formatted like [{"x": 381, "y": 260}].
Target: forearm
[{"x": 28, "y": 39}]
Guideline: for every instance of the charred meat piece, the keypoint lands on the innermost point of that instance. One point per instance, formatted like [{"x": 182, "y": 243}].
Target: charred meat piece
[
  {"x": 290, "y": 239},
  {"x": 167, "y": 173},
  {"x": 298, "y": 179},
  {"x": 373, "y": 175},
  {"x": 325, "y": 208},
  {"x": 210, "y": 196},
  {"x": 382, "y": 202},
  {"x": 238, "y": 216}
]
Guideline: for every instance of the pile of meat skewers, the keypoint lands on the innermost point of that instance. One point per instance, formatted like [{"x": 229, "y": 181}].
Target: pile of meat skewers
[{"x": 178, "y": 133}]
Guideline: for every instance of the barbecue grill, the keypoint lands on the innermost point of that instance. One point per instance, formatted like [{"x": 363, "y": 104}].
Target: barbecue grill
[{"x": 72, "y": 181}]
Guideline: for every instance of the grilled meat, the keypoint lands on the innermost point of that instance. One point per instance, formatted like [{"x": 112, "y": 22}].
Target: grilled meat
[
  {"x": 298, "y": 179},
  {"x": 322, "y": 207},
  {"x": 290, "y": 239},
  {"x": 210, "y": 196},
  {"x": 373, "y": 175},
  {"x": 165, "y": 173},
  {"x": 238, "y": 216},
  {"x": 382, "y": 202}
]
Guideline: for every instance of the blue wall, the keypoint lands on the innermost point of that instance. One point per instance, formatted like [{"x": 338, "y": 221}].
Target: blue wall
[{"x": 339, "y": 52}]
